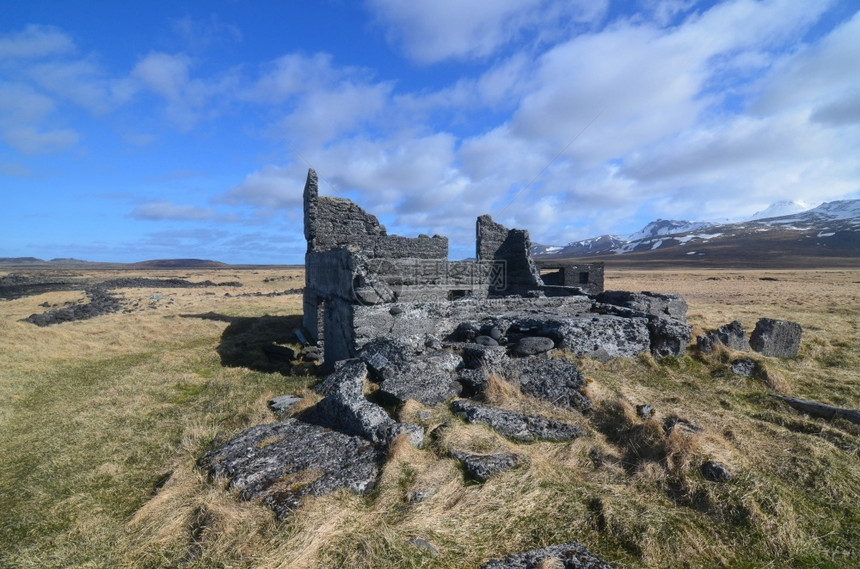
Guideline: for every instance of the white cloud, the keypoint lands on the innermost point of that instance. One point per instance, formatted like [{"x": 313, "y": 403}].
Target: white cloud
[
  {"x": 271, "y": 188},
  {"x": 161, "y": 210},
  {"x": 35, "y": 41},
  {"x": 200, "y": 34},
  {"x": 434, "y": 30}
]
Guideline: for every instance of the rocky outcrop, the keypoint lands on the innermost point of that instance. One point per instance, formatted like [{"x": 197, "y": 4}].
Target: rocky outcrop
[
  {"x": 731, "y": 335},
  {"x": 403, "y": 374},
  {"x": 516, "y": 426},
  {"x": 347, "y": 410},
  {"x": 281, "y": 463},
  {"x": 571, "y": 555},
  {"x": 776, "y": 338}
]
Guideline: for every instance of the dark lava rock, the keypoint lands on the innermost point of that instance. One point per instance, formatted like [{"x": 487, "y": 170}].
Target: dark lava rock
[
  {"x": 705, "y": 343},
  {"x": 473, "y": 381},
  {"x": 776, "y": 338},
  {"x": 403, "y": 374},
  {"x": 347, "y": 410},
  {"x": 569, "y": 556},
  {"x": 494, "y": 333},
  {"x": 733, "y": 336},
  {"x": 101, "y": 302},
  {"x": 482, "y": 467},
  {"x": 662, "y": 305},
  {"x": 281, "y": 463},
  {"x": 606, "y": 335},
  {"x": 743, "y": 367},
  {"x": 557, "y": 381},
  {"x": 282, "y": 403},
  {"x": 668, "y": 337},
  {"x": 346, "y": 373},
  {"x": 715, "y": 472},
  {"x": 532, "y": 345},
  {"x": 486, "y": 341},
  {"x": 516, "y": 426},
  {"x": 488, "y": 358}
]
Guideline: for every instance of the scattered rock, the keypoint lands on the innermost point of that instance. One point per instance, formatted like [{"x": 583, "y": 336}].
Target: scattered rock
[
  {"x": 281, "y": 463},
  {"x": 418, "y": 496},
  {"x": 733, "y": 336},
  {"x": 817, "y": 409},
  {"x": 347, "y": 410},
  {"x": 571, "y": 555},
  {"x": 486, "y": 341},
  {"x": 482, "y": 467},
  {"x": 645, "y": 411},
  {"x": 685, "y": 426},
  {"x": 715, "y": 472},
  {"x": 516, "y": 426},
  {"x": 282, "y": 404},
  {"x": 279, "y": 354},
  {"x": 532, "y": 345},
  {"x": 743, "y": 367},
  {"x": 424, "y": 544},
  {"x": 776, "y": 338}
]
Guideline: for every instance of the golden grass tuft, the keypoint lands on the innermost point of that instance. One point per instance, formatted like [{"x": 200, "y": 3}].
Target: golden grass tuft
[{"x": 499, "y": 391}]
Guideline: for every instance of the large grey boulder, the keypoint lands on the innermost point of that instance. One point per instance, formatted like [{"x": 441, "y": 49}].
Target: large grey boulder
[
  {"x": 347, "y": 410},
  {"x": 669, "y": 337},
  {"x": 776, "y": 338},
  {"x": 482, "y": 467},
  {"x": 615, "y": 336},
  {"x": 403, "y": 373},
  {"x": 516, "y": 426},
  {"x": 571, "y": 555},
  {"x": 533, "y": 345},
  {"x": 281, "y": 463},
  {"x": 557, "y": 380}
]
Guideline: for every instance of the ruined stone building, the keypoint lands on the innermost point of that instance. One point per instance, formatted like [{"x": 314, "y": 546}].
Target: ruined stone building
[{"x": 362, "y": 282}]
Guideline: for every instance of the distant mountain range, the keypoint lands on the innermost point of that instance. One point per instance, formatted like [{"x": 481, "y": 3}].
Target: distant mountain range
[
  {"x": 785, "y": 234},
  {"x": 33, "y": 262}
]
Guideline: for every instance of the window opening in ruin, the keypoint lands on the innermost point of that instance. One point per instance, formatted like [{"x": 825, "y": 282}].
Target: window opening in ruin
[
  {"x": 583, "y": 277},
  {"x": 458, "y": 293},
  {"x": 552, "y": 277}
]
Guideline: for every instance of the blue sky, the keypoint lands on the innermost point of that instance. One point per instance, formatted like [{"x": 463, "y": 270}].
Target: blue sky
[{"x": 185, "y": 129}]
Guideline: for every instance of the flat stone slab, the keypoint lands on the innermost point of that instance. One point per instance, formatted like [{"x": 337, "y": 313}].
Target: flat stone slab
[
  {"x": 282, "y": 403},
  {"x": 571, "y": 555},
  {"x": 557, "y": 381},
  {"x": 403, "y": 374},
  {"x": 482, "y": 467},
  {"x": 516, "y": 426},
  {"x": 281, "y": 463}
]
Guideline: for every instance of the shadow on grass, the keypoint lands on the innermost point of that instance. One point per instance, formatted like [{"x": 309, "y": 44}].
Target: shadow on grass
[{"x": 256, "y": 342}]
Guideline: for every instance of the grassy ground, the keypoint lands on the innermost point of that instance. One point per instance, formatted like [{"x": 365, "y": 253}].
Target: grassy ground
[{"x": 103, "y": 420}]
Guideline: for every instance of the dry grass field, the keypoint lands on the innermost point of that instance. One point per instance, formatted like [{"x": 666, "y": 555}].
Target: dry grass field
[{"x": 103, "y": 421}]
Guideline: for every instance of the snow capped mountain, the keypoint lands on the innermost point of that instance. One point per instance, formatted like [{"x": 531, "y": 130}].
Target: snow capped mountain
[
  {"x": 808, "y": 233},
  {"x": 780, "y": 209},
  {"x": 667, "y": 227}
]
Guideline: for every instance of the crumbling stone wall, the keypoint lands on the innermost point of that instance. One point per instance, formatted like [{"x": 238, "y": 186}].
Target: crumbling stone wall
[
  {"x": 586, "y": 276},
  {"x": 511, "y": 248},
  {"x": 362, "y": 284}
]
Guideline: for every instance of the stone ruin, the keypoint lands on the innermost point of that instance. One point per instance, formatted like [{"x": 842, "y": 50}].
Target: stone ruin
[{"x": 363, "y": 284}]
